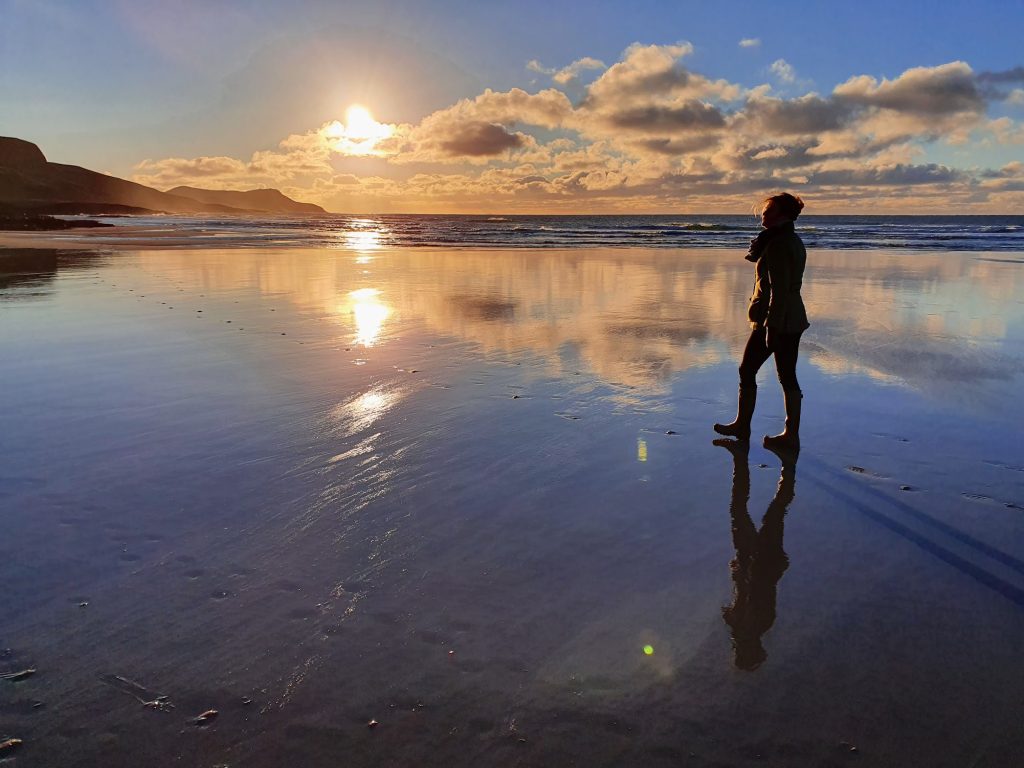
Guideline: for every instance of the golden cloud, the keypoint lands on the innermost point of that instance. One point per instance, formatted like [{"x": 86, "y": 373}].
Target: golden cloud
[{"x": 647, "y": 133}]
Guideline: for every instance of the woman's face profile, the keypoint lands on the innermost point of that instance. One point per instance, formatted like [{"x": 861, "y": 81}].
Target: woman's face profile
[{"x": 770, "y": 215}]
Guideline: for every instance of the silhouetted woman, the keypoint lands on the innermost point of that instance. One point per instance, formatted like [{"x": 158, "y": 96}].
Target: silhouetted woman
[{"x": 777, "y": 317}]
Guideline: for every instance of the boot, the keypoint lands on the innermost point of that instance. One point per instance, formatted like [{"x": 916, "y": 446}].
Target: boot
[
  {"x": 789, "y": 440},
  {"x": 740, "y": 427}
]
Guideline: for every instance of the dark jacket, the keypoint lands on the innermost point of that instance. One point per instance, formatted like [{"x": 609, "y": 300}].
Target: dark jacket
[{"x": 779, "y": 273}]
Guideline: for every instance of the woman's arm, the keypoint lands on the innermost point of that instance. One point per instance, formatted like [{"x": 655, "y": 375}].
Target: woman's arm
[{"x": 779, "y": 261}]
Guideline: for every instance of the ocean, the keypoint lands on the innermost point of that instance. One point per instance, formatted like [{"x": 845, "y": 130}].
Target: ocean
[{"x": 957, "y": 233}]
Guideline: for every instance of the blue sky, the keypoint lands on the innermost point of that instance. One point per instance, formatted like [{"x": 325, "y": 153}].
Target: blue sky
[{"x": 111, "y": 84}]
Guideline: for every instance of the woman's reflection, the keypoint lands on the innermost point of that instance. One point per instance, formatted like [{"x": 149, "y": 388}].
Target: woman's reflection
[{"x": 760, "y": 560}]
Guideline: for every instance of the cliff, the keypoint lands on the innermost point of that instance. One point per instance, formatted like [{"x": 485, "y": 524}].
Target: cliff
[
  {"x": 262, "y": 200},
  {"x": 28, "y": 182}
]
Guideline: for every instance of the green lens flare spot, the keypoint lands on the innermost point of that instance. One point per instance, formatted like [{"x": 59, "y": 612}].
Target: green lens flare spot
[{"x": 649, "y": 650}]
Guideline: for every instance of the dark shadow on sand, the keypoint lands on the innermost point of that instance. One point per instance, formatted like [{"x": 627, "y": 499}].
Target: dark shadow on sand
[{"x": 31, "y": 271}]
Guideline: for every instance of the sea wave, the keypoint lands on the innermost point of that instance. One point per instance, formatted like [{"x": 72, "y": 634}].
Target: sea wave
[{"x": 959, "y": 233}]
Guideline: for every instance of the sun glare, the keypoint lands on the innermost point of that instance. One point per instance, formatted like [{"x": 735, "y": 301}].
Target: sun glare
[
  {"x": 359, "y": 134},
  {"x": 369, "y": 313}
]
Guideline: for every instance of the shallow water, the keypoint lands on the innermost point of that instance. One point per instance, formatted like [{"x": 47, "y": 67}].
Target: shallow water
[{"x": 473, "y": 496}]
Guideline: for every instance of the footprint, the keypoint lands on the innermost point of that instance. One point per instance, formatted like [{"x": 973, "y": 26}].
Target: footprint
[
  {"x": 195, "y": 573},
  {"x": 977, "y": 497},
  {"x": 866, "y": 472},
  {"x": 1003, "y": 465},
  {"x": 888, "y": 436},
  {"x": 220, "y": 594}
]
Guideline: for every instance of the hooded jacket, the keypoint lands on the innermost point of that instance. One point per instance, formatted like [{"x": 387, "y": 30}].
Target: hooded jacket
[{"x": 778, "y": 277}]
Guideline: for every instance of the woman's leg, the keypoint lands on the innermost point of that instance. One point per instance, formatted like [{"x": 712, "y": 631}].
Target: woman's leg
[
  {"x": 754, "y": 354},
  {"x": 787, "y": 349}
]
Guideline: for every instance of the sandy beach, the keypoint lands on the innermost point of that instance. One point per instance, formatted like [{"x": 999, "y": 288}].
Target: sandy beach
[{"x": 429, "y": 507}]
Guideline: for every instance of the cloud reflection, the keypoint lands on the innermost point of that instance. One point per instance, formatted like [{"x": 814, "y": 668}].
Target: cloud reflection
[{"x": 638, "y": 319}]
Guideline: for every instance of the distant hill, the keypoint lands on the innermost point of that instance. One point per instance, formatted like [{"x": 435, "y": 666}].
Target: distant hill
[
  {"x": 262, "y": 200},
  {"x": 28, "y": 182}
]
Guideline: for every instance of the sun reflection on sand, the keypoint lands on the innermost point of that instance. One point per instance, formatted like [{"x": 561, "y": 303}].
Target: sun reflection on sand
[
  {"x": 369, "y": 314},
  {"x": 360, "y": 412}
]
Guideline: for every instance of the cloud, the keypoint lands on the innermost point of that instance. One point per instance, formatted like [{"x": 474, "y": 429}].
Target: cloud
[
  {"x": 571, "y": 73},
  {"x": 648, "y": 133},
  {"x": 689, "y": 116},
  {"x": 1015, "y": 75},
  {"x": 946, "y": 89},
  {"x": 548, "y": 108},
  {"x": 1009, "y": 178},
  {"x": 892, "y": 176},
  {"x": 783, "y": 70},
  {"x": 199, "y": 167},
  {"x": 674, "y": 146},
  {"x": 475, "y": 129},
  {"x": 1007, "y": 131},
  {"x": 646, "y": 71},
  {"x": 750, "y": 42},
  {"x": 481, "y": 139},
  {"x": 803, "y": 115}
]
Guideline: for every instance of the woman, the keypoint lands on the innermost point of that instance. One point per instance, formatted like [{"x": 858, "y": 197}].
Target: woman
[{"x": 777, "y": 317}]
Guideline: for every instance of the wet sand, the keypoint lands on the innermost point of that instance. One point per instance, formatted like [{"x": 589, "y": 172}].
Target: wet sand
[{"x": 472, "y": 498}]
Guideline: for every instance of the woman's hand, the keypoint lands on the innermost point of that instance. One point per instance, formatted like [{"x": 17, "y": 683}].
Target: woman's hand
[{"x": 769, "y": 338}]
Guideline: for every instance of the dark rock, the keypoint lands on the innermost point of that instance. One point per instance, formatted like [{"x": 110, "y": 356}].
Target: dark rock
[{"x": 28, "y": 183}]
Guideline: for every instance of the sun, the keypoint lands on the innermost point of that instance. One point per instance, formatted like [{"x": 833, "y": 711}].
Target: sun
[
  {"x": 359, "y": 134},
  {"x": 359, "y": 123}
]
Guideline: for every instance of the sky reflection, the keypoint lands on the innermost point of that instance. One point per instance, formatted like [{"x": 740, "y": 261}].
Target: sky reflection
[{"x": 637, "y": 320}]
